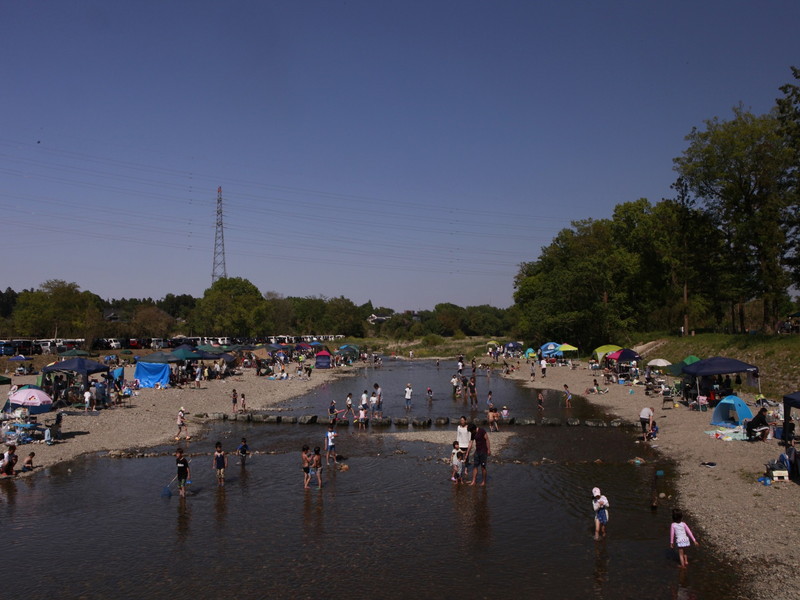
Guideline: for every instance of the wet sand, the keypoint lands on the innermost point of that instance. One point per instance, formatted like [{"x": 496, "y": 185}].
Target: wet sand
[{"x": 727, "y": 506}]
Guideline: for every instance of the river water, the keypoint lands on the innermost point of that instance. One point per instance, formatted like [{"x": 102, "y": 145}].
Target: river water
[{"x": 393, "y": 525}]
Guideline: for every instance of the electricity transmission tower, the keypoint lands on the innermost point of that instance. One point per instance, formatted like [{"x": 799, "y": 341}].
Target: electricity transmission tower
[{"x": 218, "y": 270}]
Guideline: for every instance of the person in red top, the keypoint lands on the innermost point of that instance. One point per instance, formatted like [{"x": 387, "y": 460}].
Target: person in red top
[{"x": 480, "y": 439}]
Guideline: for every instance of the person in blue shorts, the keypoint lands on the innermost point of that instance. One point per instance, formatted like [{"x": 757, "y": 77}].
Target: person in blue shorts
[
  {"x": 330, "y": 445},
  {"x": 243, "y": 450}
]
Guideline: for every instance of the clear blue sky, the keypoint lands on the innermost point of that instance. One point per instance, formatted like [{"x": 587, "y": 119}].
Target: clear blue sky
[{"x": 405, "y": 152}]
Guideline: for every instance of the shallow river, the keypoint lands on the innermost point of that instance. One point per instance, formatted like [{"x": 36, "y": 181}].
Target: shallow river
[{"x": 392, "y": 526}]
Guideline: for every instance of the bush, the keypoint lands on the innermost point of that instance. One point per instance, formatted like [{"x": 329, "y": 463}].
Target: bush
[{"x": 432, "y": 340}]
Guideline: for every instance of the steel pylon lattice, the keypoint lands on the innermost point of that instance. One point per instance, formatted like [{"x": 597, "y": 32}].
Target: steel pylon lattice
[{"x": 218, "y": 270}]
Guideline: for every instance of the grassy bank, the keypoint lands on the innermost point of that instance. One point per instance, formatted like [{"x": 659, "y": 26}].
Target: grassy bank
[{"x": 431, "y": 346}]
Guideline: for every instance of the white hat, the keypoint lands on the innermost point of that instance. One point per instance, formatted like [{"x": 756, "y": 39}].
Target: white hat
[{"x": 595, "y": 491}]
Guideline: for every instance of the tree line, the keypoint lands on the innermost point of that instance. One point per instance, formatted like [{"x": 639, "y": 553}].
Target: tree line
[
  {"x": 232, "y": 307},
  {"x": 720, "y": 255}
]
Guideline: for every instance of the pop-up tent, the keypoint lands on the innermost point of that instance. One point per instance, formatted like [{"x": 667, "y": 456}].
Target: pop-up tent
[
  {"x": 550, "y": 349},
  {"x": 731, "y": 412},
  {"x": 323, "y": 360},
  {"x": 718, "y": 365},
  {"x": 530, "y": 352},
  {"x": 149, "y": 374},
  {"x": 82, "y": 366},
  {"x": 624, "y": 355},
  {"x": 159, "y": 357},
  {"x": 186, "y": 353},
  {"x": 600, "y": 353},
  {"x": 676, "y": 370}
]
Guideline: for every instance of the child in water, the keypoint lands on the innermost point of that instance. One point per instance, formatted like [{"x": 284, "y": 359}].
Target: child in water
[
  {"x": 219, "y": 462},
  {"x": 243, "y": 450},
  {"x": 305, "y": 463},
  {"x": 679, "y": 532},
  {"x": 457, "y": 460},
  {"x": 600, "y": 507},
  {"x": 316, "y": 466}
]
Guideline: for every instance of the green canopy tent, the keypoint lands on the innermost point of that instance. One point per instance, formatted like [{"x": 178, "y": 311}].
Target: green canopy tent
[
  {"x": 186, "y": 354},
  {"x": 600, "y": 353},
  {"x": 676, "y": 370},
  {"x": 75, "y": 352},
  {"x": 160, "y": 357}
]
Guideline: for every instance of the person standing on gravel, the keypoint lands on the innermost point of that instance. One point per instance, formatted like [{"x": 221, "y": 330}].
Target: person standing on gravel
[
  {"x": 646, "y": 419},
  {"x": 182, "y": 427}
]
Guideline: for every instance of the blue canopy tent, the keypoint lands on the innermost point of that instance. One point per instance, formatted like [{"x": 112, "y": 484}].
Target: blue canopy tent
[
  {"x": 731, "y": 412},
  {"x": 551, "y": 349},
  {"x": 149, "y": 374},
  {"x": 719, "y": 365},
  {"x": 513, "y": 346},
  {"x": 82, "y": 366},
  {"x": 323, "y": 360}
]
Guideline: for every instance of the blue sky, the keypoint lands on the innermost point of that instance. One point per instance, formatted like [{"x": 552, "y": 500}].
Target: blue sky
[{"x": 409, "y": 153}]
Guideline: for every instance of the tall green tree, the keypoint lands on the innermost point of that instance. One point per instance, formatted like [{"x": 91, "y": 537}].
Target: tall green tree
[
  {"x": 577, "y": 291},
  {"x": 232, "y": 306},
  {"x": 57, "y": 309},
  {"x": 177, "y": 306},
  {"x": 344, "y": 317},
  {"x": 739, "y": 170}
]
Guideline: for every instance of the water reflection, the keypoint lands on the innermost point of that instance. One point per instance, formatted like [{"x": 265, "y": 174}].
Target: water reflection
[
  {"x": 313, "y": 514},
  {"x": 244, "y": 476},
  {"x": 600, "y": 567},
  {"x": 9, "y": 491},
  {"x": 183, "y": 521},
  {"x": 220, "y": 506},
  {"x": 473, "y": 522}
]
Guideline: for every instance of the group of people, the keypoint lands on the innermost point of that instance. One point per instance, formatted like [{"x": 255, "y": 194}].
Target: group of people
[
  {"x": 468, "y": 437},
  {"x": 679, "y": 532},
  {"x": 370, "y": 406},
  {"x": 219, "y": 462},
  {"x": 10, "y": 459}
]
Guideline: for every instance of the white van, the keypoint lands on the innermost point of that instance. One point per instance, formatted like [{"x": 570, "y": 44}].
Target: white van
[
  {"x": 47, "y": 346},
  {"x": 114, "y": 343}
]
